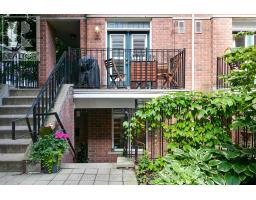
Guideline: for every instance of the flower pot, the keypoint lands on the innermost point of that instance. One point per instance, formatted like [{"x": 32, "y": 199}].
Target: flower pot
[{"x": 55, "y": 168}]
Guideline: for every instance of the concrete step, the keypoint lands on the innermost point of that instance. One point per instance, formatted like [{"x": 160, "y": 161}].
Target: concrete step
[
  {"x": 6, "y": 120},
  {"x": 20, "y": 132},
  {"x": 12, "y": 162},
  {"x": 24, "y": 92},
  {"x": 18, "y": 100},
  {"x": 124, "y": 162},
  {"x": 14, "y": 146},
  {"x": 14, "y": 109}
]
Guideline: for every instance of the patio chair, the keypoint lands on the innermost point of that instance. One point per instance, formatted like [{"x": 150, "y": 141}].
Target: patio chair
[
  {"x": 115, "y": 75},
  {"x": 167, "y": 75}
]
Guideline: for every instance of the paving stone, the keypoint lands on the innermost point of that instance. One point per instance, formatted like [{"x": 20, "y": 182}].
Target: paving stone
[
  {"x": 78, "y": 171},
  {"x": 102, "y": 177},
  {"x": 61, "y": 177},
  {"x": 34, "y": 176},
  {"x": 116, "y": 171},
  {"x": 128, "y": 172},
  {"x": 2, "y": 174},
  {"x": 71, "y": 183},
  {"x": 75, "y": 177},
  {"x": 5, "y": 179},
  {"x": 65, "y": 171},
  {"x": 56, "y": 183},
  {"x": 28, "y": 182},
  {"x": 91, "y": 171},
  {"x": 130, "y": 183},
  {"x": 115, "y": 183},
  {"x": 86, "y": 182},
  {"x": 129, "y": 178},
  {"x": 16, "y": 180},
  {"x": 47, "y": 177},
  {"x": 103, "y": 171},
  {"x": 88, "y": 177},
  {"x": 101, "y": 183},
  {"x": 116, "y": 177},
  {"x": 41, "y": 182}
]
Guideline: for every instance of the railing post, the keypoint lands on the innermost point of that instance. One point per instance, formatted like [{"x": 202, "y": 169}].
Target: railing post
[{"x": 13, "y": 130}]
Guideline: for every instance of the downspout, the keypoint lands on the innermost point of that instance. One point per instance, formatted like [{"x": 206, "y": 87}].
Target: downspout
[{"x": 193, "y": 51}]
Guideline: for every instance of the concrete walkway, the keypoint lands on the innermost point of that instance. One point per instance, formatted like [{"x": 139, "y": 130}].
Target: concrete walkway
[{"x": 74, "y": 174}]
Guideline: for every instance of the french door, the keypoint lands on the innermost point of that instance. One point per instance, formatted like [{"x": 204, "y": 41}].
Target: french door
[{"x": 125, "y": 47}]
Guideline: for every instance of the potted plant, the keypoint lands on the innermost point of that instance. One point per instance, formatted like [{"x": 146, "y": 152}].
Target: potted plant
[{"x": 49, "y": 149}]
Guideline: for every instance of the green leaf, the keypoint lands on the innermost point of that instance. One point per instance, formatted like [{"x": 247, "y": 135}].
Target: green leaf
[
  {"x": 224, "y": 166},
  {"x": 248, "y": 98},
  {"x": 232, "y": 180},
  {"x": 252, "y": 168},
  {"x": 231, "y": 154},
  {"x": 209, "y": 182},
  {"x": 214, "y": 162},
  {"x": 239, "y": 168},
  {"x": 219, "y": 180}
]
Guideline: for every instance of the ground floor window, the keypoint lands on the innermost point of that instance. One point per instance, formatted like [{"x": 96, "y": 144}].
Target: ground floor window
[{"x": 118, "y": 117}]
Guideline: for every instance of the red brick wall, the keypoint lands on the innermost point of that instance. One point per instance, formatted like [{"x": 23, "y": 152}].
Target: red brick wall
[
  {"x": 203, "y": 57},
  {"x": 221, "y": 40},
  {"x": 83, "y": 33},
  {"x": 184, "y": 40},
  {"x": 162, "y": 33},
  {"x": 47, "y": 51},
  {"x": 67, "y": 117},
  {"x": 100, "y": 136}
]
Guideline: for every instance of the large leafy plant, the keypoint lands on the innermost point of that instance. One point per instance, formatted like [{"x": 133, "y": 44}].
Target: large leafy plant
[
  {"x": 231, "y": 166},
  {"x": 49, "y": 149},
  {"x": 198, "y": 119}
]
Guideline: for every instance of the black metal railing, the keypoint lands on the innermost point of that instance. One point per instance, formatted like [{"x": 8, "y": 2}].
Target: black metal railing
[
  {"x": 45, "y": 100},
  {"x": 138, "y": 68},
  {"x": 19, "y": 73},
  {"x": 244, "y": 137},
  {"x": 222, "y": 69}
]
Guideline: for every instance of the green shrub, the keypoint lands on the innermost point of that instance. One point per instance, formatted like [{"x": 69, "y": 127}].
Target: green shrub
[{"x": 231, "y": 166}]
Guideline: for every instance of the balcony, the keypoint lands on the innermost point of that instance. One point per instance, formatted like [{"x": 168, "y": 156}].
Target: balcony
[{"x": 127, "y": 68}]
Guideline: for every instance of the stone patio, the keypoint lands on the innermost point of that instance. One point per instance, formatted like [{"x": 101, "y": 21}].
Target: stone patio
[{"x": 74, "y": 174}]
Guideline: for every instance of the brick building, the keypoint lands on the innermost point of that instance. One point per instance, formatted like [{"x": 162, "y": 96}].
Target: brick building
[
  {"x": 153, "y": 55},
  {"x": 98, "y": 114}
]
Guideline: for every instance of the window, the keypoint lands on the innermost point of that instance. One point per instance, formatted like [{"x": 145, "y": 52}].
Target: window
[
  {"x": 198, "y": 26},
  {"x": 118, "y": 118},
  {"x": 139, "y": 45},
  {"x": 181, "y": 27},
  {"x": 244, "y": 41},
  {"x": 249, "y": 40}
]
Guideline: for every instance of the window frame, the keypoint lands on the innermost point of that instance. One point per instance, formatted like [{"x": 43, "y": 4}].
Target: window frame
[
  {"x": 179, "y": 30},
  {"x": 201, "y": 27}
]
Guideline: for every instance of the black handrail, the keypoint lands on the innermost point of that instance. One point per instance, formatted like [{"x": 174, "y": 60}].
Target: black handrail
[{"x": 44, "y": 101}]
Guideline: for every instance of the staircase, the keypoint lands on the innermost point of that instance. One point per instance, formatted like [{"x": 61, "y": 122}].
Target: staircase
[{"x": 15, "y": 106}]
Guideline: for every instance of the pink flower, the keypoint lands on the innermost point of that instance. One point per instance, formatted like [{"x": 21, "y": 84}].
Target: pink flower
[{"x": 60, "y": 135}]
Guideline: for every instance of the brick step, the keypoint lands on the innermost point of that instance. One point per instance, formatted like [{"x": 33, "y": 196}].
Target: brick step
[
  {"x": 12, "y": 162},
  {"x": 20, "y": 132},
  {"x": 6, "y": 120},
  {"x": 24, "y": 92},
  {"x": 14, "y": 109},
  {"x": 14, "y": 146},
  {"x": 18, "y": 100}
]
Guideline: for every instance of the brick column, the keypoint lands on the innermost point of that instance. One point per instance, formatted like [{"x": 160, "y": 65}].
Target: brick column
[
  {"x": 221, "y": 40},
  {"x": 47, "y": 51}
]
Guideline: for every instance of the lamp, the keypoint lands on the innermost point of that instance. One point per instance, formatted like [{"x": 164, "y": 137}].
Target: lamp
[{"x": 97, "y": 32}]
